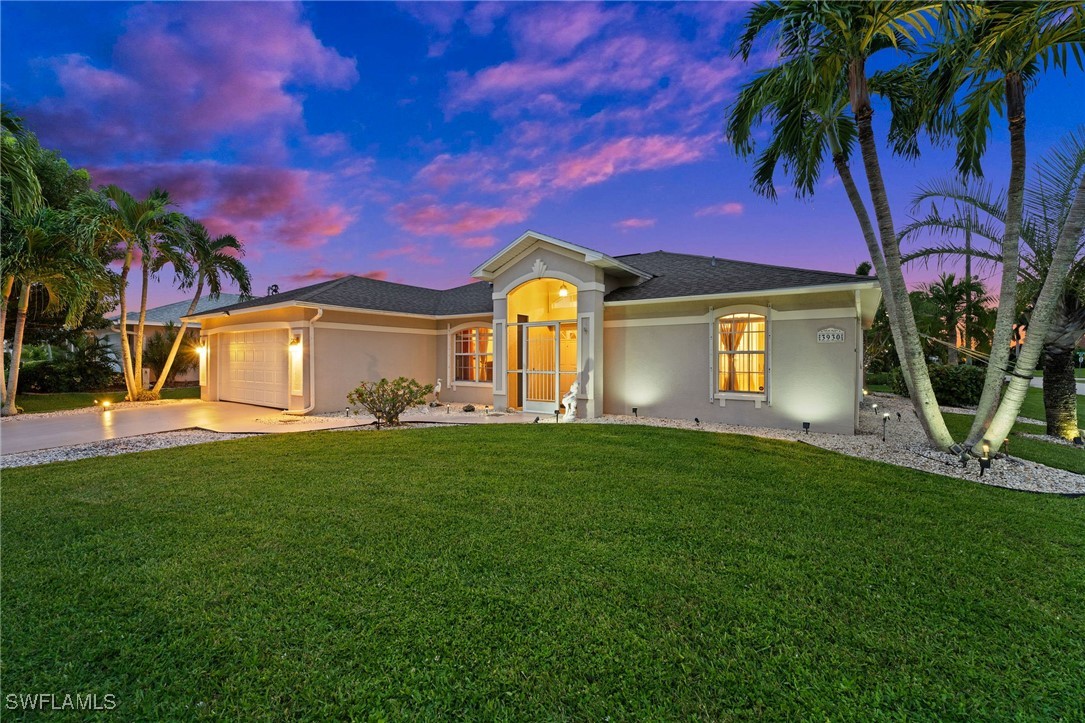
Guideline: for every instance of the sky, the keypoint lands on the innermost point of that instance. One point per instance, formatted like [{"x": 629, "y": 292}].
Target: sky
[{"x": 411, "y": 141}]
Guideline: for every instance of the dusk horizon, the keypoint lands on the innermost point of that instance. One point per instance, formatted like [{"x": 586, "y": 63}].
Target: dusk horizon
[{"x": 410, "y": 142}]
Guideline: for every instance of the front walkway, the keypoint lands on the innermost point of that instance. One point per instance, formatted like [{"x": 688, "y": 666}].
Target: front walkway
[{"x": 33, "y": 432}]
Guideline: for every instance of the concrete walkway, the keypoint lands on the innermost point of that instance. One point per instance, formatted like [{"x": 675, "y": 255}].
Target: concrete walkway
[
  {"x": 1038, "y": 382},
  {"x": 32, "y": 432}
]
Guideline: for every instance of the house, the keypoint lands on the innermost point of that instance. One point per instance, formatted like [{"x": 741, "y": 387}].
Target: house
[
  {"x": 156, "y": 321},
  {"x": 667, "y": 334}
]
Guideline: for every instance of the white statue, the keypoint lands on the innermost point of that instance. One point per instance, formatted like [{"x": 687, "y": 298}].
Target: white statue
[
  {"x": 569, "y": 400},
  {"x": 437, "y": 390}
]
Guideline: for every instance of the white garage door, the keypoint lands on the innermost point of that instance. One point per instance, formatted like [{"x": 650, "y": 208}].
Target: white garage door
[{"x": 254, "y": 368}]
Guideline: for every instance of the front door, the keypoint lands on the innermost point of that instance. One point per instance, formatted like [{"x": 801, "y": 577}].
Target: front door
[{"x": 548, "y": 364}]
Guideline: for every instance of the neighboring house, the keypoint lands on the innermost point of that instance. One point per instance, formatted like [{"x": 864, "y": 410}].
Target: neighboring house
[
  {"x": 156, "y": 321},
  {"x": 670, "y": 334}
]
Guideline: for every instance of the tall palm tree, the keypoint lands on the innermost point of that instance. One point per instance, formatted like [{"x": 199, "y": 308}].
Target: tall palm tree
[
  {"x": 213, "y": 261},
  {"x": 994, "y": 52},
  {"x": 976, "y": 211},
  {"x": 134, "y": 227},
  {"x": 826, "y": 47},
  {"x": 51, "y": 249},
  {"x": 953, "y": 304}
]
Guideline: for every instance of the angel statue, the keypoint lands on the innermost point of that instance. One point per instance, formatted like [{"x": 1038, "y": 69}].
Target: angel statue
[{"x": 569, "y": 400}]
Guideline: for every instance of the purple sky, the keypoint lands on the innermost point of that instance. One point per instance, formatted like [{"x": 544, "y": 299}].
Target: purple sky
[{"x": 411, "y": 141}]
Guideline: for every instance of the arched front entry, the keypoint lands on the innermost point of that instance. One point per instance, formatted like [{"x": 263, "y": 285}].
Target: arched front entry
[{"x": 542, "y": 354}]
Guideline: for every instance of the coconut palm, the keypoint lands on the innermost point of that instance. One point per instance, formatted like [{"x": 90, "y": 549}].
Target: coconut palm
[
  {"x": 994, "y": 52},
  {"x": 51, "y": 249},
  {"x": 975, "y": 211},
  {"x": 147, "y": 228},
  {"x": 825, "y": 48},
  {"x": 213, "y": 261}
]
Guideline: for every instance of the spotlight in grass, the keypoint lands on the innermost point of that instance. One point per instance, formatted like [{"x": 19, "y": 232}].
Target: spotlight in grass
[
  {"x": 985, "y": 460},
  {"x": 536, "y": 420}
]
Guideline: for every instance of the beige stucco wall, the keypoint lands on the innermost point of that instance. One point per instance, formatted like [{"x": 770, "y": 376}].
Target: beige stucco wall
[
  {"x": 668, "y": 371},
  {"x": 459, "y": 392}
]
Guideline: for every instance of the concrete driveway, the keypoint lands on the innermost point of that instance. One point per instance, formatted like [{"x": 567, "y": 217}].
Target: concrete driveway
[{"x": 33, "y": 432}]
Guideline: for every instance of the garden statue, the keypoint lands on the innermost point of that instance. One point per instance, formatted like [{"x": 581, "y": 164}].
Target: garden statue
[
  {"x": 437, "y": 390},
  {"x": 569, "y": 400}
]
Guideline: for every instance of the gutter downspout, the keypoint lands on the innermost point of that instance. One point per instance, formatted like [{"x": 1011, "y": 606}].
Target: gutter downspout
[{"x": 312, "y": 365}]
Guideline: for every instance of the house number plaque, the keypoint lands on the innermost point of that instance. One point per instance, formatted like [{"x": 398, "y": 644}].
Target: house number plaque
[{"x": 830, "y": 336}]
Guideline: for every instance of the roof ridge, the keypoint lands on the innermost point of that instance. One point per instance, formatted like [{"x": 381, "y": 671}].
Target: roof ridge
[
  {"x": 752, "y": 263},
  {"x": 330, "y": 284}
]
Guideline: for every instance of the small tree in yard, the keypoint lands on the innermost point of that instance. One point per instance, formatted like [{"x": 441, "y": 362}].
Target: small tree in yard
[{"x": 386, "y": 400}]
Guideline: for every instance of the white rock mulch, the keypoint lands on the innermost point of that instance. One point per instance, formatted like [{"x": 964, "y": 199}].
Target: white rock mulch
[
  {"x": 111, "y": 447},
  {"x": 905, "y": 446}
]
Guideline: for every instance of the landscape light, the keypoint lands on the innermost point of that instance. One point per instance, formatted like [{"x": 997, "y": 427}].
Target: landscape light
[
  {"x": 557, "y": 413},
  {"x": 1079, "y": 442},
  {"x": 806, "y": 427},
  {"x": 105, "y": 404},
  {"x": 874, "y": 407},
  {"x": 635, "y": 413},
  {"x": 885, "y": 421},
  {"x": 985, "y": 460}
]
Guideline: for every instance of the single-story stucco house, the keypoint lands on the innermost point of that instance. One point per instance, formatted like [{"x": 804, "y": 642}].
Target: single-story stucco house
[
  {"x": 156, "y": 321},
  {"x": 671, "y": 334}
]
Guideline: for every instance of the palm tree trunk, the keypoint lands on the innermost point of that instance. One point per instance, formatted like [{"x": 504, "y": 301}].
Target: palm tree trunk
[
  {"x": 1042, "y": 314},
  {"x": 137, "y": 367},
  {"x": 126, "y": 349},
  {"x": 999, "y": 360},
  {"x": 9, "y": 284},
  {"x": 901, "y": 315},
  {"x": 1060, "y": 392},
  {"x": 177, "y": 341},
  {"x": 16, "y": 350}
]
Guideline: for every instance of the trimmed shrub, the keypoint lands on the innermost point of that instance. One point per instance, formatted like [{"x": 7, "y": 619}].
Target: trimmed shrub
[
  {"x": 954, "y": 386},
  {"x": 386, "y": 400},
  {"x": 88, "y": 366}
]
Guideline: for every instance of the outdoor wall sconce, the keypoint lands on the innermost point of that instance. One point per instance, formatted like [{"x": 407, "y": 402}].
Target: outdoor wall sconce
[
  {"x": 806, "y": 427},
  {"x": 885, "y": 421},
  {"x": 295, "y": 340}
]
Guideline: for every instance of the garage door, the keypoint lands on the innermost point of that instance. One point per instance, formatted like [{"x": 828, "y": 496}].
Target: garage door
[{"x": 254, "y": 368}]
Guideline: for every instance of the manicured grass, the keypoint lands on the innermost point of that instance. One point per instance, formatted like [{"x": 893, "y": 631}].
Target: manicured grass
[
  {"x": 32, "y": 403},
  {"x": 1079, "y": 373},
  {"x": 539, "y": 572},
  {"x": 1033, "y": 406},
  {"x": 1060, "y": 456}
]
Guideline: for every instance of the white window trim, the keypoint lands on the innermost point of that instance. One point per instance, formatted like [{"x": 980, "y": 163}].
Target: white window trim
[
  {"x": 758, "y": 398},
  {"x": 452, "y": 331}
]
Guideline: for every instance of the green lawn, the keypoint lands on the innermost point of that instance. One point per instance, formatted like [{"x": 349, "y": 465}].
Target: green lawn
[
  {"x": 32, "y": 403},
  {"x": 1033, "y": 407},
  {"x": 539, "y": 572},
  {"x": 1079, "y": 373},
  {"x": 1059, "y": 456}
]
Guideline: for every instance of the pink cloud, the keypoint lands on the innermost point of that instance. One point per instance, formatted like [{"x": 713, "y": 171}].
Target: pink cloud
[
  {"x": 186, "y": 76},
  {"x": 628, "y": 154},
  {"x": 429, "y": 218},
  {"x": 731, "y": 208},
  {"x": 477, "y": 242},
  {"x": 258, "y": 204},
  {"x": 329, "y": 144},
  {"x": 418, "y": 253},
  {"x": 631, "y": 223}
]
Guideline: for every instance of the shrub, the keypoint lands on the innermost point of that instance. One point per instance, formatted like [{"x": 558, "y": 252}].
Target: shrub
[
  {"x": 88, "y": 366},
  {"x": 158, "y": 349},
  {"x": 386, "y": 400},
  {"x": 954, "y": 386}
]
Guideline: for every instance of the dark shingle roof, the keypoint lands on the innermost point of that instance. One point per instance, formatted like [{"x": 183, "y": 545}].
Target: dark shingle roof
[
  {"x": 359, "y": 292},
  {"x": 688, "y": 275},
  {"x": 174, "y": 312}
]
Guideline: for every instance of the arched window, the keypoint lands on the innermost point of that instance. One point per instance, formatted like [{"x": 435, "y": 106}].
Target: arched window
[
  {"x": 742, "y": 353},
  {"x": 473, "y": 355}
]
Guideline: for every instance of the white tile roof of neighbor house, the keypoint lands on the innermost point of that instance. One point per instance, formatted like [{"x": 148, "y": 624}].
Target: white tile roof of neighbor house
[{"x": 162, "y": 315}]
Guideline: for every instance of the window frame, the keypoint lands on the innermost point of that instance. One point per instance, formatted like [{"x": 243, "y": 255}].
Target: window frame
[
  {"x": 718, "y": 316},
  {"x": 477, "y": 356}
]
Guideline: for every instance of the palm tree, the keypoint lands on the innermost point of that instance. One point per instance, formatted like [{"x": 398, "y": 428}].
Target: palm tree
[
  {"x": 148, "y": 228},
  {"x": 994, "y": 51},
  {"x": 213, "y": 260},
  {"x": 825, "y": 48},
  {"x": 978, "y": 212},
  {"x": 52, "y": 249},
  {"x": 953, "y": 306}
]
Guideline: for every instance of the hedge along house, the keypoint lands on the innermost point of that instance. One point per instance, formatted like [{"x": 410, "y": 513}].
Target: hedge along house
[{"x": 672, "y": 335}]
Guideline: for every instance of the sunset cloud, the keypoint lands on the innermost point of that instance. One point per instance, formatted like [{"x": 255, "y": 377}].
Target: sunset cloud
[
  {"x": 631, "y": 223},
  {"x": 731, "y": 208},
  {"x": 429, "y": 218}
]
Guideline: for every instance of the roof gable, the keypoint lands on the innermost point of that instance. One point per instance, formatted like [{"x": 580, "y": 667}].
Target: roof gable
[{"x": 492, "y": 266}]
